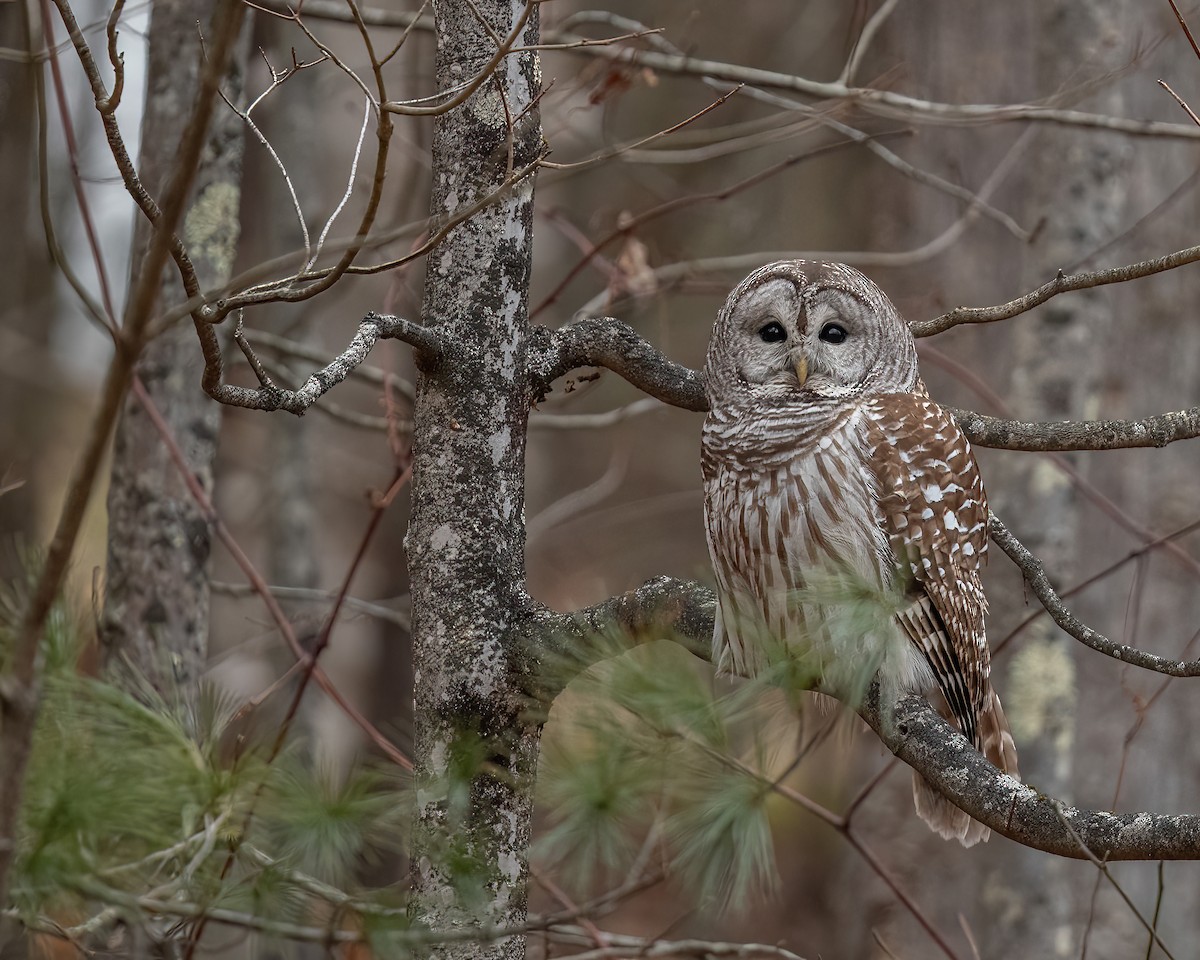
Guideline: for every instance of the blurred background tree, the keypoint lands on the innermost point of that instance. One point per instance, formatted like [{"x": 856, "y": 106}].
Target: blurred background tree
[{"x": 707, "y": 139}]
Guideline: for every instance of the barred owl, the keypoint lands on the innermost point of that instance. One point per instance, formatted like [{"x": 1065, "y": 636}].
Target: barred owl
[{"x": 833, "y": 484}]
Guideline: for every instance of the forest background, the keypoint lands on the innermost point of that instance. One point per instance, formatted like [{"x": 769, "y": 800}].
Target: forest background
[{"x": 680, "y": 146}]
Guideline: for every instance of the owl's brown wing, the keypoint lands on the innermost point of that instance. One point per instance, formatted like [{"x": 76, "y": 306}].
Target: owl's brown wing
[{"x": 935, "y": 513}]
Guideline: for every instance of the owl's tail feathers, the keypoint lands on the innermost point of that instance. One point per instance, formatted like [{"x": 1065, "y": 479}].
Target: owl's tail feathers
[
  {"x": 943, "y": 817},
  {"x": 996, "y": 743},
  {"x": 995, "y": 739}
]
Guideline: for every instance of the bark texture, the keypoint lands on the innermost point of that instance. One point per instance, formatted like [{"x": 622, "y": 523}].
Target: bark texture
[
  {"x": 467, "y": 526},
  {"x": 157, "y": 597}
]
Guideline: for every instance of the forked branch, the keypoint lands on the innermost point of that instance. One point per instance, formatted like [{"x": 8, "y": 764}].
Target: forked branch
[{"x": 270, "y": 396}]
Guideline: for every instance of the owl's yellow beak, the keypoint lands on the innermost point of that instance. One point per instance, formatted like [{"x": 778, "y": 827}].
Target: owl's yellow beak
[{"x": 802, "y": 370}]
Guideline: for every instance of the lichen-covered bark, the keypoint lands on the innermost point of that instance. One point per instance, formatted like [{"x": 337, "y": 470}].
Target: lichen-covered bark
[
  {"x": 156, "y": 599},
  {"x": 465, "y": 543}
]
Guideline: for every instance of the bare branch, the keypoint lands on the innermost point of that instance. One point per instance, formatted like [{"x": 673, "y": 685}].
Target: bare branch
[
  {"x": 1035, "y": 576},
  {"x": 626, "y": 148},
  {"x": 372, "y": 375},
  {"x": 1182, "y": 103},
  {"x": 592, "y": 421},
  {"x": 885, "y": 103},
  {"x": 341, "y": 205},
  {"x": 923, "y": 740},
  {"x": 268, "y": 396},
  {"x": 1060, "y": 284},
  {"x": 309, "y": 595},
  {"x": 605, "y": 342},
  {"x": 244, "y": 116},
  {"x": 1157, "y": 431},
  {"x": 863, "y": 43},
  {"x": 1187, "y": 32}
]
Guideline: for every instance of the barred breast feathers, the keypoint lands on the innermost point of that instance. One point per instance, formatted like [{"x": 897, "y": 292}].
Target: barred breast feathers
[{"x": 784, "y": 529}]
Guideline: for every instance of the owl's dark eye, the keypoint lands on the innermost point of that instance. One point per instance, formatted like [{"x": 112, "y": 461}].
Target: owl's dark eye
[
  {"x": 773, "y": 333},
  {"x": 833, "y": 333}
]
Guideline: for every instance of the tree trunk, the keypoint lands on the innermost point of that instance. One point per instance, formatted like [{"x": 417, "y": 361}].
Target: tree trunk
[
  {"x": 1055, "y": 371},
  {"x": 157, "y": 597},
  {"x": 475, "y": 753},
  {"x": 28, "y": 290}
]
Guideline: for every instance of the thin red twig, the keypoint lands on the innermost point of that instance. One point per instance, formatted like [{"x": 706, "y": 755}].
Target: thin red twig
[{"x": 260, "y": 585}]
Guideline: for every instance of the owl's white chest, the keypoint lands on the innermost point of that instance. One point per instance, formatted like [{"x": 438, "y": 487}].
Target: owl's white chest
[{"x": 803, "y": 564}]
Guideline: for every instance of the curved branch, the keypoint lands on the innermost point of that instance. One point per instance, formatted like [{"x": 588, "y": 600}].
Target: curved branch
[
  {"x": 613, "y": 344},
  {"x": 665, "y": 608},
  {"x": 375, "y": 376},
  {"x": 915, "y": 733},
  {"x": 1036, "y": 577},
  {"x": 1060, "y": 284},
  {"x": 270, "y": 397}
]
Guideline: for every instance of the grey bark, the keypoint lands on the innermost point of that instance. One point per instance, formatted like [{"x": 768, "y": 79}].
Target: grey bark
[
  {"x": 467, "y": 525},
  {"x": 155, "y": 616}
]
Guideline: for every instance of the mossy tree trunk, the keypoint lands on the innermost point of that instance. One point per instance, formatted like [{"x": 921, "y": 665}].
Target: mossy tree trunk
[
  {"x": 157, "y": 595},
  {"x": 466, "y": 539}
]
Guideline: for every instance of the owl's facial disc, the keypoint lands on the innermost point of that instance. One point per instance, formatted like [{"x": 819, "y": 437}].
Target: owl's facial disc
[{"x": 800, "y": 331}]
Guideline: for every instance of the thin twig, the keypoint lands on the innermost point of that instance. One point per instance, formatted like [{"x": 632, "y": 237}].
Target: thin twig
[
  {"x": 1179, "y": 100},
  {"x": 1060, "y": 284},
  {"x": 1186, "y": 30},
  {"x": 310, "y": 595},
  {"x": 341, "y": 205},
  {"x": 863, "y": 43},
  {"x": 1102, "y": 866}
]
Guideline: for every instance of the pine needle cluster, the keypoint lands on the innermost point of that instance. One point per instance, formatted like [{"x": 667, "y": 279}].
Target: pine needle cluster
[
  {"x": 141, "y": 816},
  {"x": 645, "y": 744}
]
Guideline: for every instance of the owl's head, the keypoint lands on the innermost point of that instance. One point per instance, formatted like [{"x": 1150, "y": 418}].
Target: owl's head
[{"x": 802, "y": 329}]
